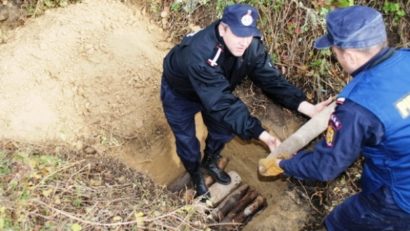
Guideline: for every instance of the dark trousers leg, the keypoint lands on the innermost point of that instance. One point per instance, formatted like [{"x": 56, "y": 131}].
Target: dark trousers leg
[
  {"x": 218, "y": 136},
  {"x": 180, "y": 114},
  {"x": 372, "y": 212}
]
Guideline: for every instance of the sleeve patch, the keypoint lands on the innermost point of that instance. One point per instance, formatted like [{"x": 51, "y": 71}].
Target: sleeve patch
[
  {"x": 403, "y": 106},
  {"x": 330, "y": 134}
]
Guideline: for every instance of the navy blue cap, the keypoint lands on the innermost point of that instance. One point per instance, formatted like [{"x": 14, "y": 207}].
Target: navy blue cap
[
  {"x": 241, "y": 19},
  {"x": 353, "y": 27}
]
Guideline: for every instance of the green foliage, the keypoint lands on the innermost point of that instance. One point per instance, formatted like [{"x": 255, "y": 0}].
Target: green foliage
[
  {"x": 35, "y": 8},
  {"x": 274, "y": 57},
  {"x": 20, "y": 174},
  {"x": 5, "y": 220},
  {"x": 221, "y": 4},
  {"x": 155, "y": 6},
  {"x": 278, "y": 4},
  {"x": 344, "y": 3},
  {"x": 322, "y": 64},
  {"x": 262, "y": 2},
  {"x": 176, "y": 6},
  {"x": 187, "y": 5},
  {"x": 24, "y": 194},
  {"x": 324, "y": 11},
  {"x": 77, "y": 202},
  {"x": 317, "y": 63},
  {"x": 49, "y": 226},
  {"x": 55, "y": 3},
  {"x": 6, "y": 223},
  {"x": 394, "y": 9},
  {"x": 76, "y": 227},
  {"x": 4, "y": 168},
  {"x": 45, "y": 160}
]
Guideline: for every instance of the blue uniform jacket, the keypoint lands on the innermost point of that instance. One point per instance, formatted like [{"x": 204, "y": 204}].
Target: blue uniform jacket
[
  {"x": 203, "y": 70},
  {"x": 368, "y": 120}
]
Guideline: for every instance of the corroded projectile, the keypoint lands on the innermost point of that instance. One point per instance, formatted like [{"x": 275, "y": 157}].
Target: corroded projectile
[
  {"x": 229, "y": 202},
  {"x": 254, "y": 207},
  {"x": 245, "y": 200}
]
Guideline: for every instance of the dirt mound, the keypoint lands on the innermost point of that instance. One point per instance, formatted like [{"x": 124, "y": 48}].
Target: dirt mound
[
  {"x": 87, "y": 74},
  {"x": 75, "y": 71}
]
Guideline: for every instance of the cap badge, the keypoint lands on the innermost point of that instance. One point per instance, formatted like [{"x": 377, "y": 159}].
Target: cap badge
[{"x": 247, "y": 19}]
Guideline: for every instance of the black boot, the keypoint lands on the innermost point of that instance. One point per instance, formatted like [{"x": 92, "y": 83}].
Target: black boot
[
  {"x": 210, "y": 163},
  {"x": 199, "y": 184}
]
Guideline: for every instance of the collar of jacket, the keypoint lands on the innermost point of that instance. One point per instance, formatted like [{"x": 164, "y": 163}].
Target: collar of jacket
[{"x": 383, "y": 55}]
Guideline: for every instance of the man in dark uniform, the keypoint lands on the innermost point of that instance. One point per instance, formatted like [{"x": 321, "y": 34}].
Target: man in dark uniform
[
  {"x": 200, "y": 74},
  {"x": 372, "y": 117}
]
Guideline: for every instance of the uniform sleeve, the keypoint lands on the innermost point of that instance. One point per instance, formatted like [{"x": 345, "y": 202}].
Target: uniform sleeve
[
  {"x": 350, "y": 128},
  {"x": 216, "y": 97},
  {"x": 271, "y": 81}
]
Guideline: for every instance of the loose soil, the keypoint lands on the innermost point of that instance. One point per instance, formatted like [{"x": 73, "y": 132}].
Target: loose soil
[{"x": 88, "y": 76}]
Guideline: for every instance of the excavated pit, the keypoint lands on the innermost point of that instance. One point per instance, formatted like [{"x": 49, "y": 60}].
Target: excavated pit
[
  {"x": 88, "y": 75},
  {"x": 280, "y": 208}
]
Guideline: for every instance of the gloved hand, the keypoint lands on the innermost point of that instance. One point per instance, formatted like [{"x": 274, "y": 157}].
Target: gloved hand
[{"x": 270, "y": 166}]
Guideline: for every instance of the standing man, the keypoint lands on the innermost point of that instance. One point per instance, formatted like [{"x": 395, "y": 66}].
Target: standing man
[
  {"x": 200, "y": 74},
  {"x": 372, "y": 117}
]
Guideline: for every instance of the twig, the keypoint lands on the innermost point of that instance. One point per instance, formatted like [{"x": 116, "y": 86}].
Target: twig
[
  {"x": 305, "y": 195},
  {"x": 53, "y": 173},
  {"x": 37, "y": 6},
  {"x": 69, "y": 215},
  {"x": 224, "y": 224},
  {"x": 85, "y": 221}
]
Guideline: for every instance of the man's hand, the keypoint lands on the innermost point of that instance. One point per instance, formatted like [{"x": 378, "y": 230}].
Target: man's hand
[
  {"x": 311, "y": 110},
  {"x": 321, "y": 105},
  {"x": 270, "y": 166},
  {"x": 270, "y": 141}
]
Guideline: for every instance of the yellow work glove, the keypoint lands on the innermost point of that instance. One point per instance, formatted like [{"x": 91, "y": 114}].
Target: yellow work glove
[{"x": 269, "y": 167}]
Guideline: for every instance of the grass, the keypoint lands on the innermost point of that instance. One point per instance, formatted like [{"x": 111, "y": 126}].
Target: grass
[{"x": 46, "y": 190}]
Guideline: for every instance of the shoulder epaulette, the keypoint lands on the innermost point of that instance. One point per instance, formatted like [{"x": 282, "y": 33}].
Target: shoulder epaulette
[
  {"x": 340, "y": 101},
  {"x": 213, "y": 62}
]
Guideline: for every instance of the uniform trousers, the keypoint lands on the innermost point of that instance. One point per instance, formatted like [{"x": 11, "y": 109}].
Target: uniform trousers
[
  {"x": 180, "y": 113},
  {"x": 376, "y": 211}
]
